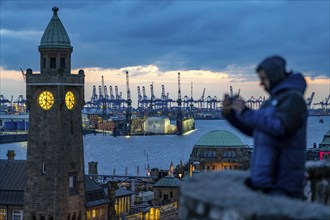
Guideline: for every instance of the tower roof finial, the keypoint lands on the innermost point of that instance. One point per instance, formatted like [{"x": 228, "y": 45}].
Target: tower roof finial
[{"x": 55, "y": 10}]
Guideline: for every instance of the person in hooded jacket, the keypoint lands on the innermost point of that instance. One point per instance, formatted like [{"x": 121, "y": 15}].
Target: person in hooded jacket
[{"x": 277, "y": 165}]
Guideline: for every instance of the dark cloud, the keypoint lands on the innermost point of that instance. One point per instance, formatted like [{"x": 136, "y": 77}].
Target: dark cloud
[{"x": 176, "y": 35}]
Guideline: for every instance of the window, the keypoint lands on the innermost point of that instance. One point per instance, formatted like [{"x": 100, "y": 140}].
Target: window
[
  {"x": 224, "y": 153},
  {"x": 214, "y": 154},
  {"x": 43, "y": 168},
  {"x": 102, "y": 212},
  {"x": 229, "y": 154},
  {"x": 94, "y": 213},
  {"x": 62, "y": 64},
  {"x": 53, "y": 63},
  {"x": 44, "y": 63},
  {"x": 17, "y": 215},
  {"x": 73, "y": 183},
  {"x": 234, "y": 153},
  {"x": 3, "y": 214},
  {"x": 88, "y": 215}
]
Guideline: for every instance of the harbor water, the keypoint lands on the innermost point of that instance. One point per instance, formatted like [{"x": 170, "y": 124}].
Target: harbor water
[{"x": 157, "y": 151}]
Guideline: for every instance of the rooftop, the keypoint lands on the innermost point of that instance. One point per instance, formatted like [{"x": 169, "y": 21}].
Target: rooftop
[
  {"x": 55, "y": 35},
  {"x": 168, "y": 182},
  {"x": 219, "y": 138}
]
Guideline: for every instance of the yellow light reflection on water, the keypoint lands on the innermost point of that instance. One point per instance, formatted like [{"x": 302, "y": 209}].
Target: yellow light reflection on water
[{"x": 189, "y": 132}]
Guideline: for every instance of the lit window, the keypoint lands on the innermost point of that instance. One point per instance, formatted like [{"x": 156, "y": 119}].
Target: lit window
[
  {"x": 94, "y": 213},
  {"x": 88, "y": 215},
  {"x": 17, "y": 215},
  {"x": 3, "y": 214}
]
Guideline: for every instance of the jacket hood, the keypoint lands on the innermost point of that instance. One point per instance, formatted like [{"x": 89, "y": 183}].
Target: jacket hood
[
  {"x": 294, "y": 81},
  {"x": 274, "y": 68}
]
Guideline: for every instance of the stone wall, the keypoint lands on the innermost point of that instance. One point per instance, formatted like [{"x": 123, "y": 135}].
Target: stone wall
[
  {"x": 223, "y": 195},
  {"x": 317, "y": 187}
]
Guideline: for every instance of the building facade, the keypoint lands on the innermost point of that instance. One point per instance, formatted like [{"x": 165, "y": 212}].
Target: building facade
[{"x": 219, "y": 150}]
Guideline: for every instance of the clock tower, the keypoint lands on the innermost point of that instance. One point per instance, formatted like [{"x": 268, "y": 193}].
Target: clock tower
[{"x": 55, "y": 157}]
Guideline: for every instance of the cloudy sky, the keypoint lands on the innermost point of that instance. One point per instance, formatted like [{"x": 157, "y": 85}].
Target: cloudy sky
[{"x": 214, "y": 44}]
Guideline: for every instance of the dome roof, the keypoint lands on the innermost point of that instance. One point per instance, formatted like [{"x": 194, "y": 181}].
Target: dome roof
[
  {"x": 326, "y": 139},
  {"x": 55, "y": 35},
  {"x": 219, "y": 138},
  {"x": 168, "y": 181}
]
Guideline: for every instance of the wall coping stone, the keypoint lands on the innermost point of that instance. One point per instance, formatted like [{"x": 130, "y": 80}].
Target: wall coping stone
[{"x": 223, "y": 195}]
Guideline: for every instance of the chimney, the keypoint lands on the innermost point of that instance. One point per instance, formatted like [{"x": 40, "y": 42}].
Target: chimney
[
  {"x": 11, "y": 154},
  {"x": 92, "y": 168}
]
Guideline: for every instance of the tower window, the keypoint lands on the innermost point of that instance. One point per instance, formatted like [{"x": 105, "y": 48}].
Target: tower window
[
  {"x": 44, "y": 63},
  {"x": 62, "y": 66},
  {"x": 43, "y": 168},
  {"x": 73, "y": 183},
  {"x": 53, "y": 63}
]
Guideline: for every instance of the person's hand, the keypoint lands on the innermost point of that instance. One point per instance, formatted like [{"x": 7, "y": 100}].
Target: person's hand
[
  {"x": 239, "y": 105},
  {"x": 226, "y": 105}
]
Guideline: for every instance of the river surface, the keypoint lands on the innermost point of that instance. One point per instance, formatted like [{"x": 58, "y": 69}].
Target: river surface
[{"x": 121, "y": 152}]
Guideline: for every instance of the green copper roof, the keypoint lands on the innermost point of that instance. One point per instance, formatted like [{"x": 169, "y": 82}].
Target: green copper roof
[
  {"x": 55, "y": 35},
  {"x": 168, "y": 182},
  {"x": 326, "y": 139},
  {"x": 219, "y": 138}
]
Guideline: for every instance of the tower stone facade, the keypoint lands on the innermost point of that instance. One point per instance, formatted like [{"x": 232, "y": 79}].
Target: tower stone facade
[{"x": 55, "y": 161}]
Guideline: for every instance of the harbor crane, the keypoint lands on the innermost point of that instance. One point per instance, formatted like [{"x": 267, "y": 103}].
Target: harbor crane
[
  {"x": 128, "y": 115},
  {"x": 201, "y": 100},
  {"x": 179, "y": 128},
  {"x": 310, "y": 100}
]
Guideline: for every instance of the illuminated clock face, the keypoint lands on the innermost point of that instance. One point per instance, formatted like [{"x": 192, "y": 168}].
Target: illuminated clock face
[
  {"x": 69, "y": 100},
  {"x": 46, "y": 100}
]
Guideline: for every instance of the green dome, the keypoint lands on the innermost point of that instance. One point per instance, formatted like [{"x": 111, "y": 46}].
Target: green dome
[
  {"x": 55, "y": 35},
  {"x": 219, "y": 138},
  {"x": 326, "y": 140},
  {"x": 168, "y": 182}
]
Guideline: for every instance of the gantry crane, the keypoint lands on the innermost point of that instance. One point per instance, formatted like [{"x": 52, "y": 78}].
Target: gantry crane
[{"x": 179, "y": 127}]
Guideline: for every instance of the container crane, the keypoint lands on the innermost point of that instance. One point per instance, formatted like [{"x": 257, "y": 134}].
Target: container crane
[
  {"x": 201, "y": 100},
  {"x": 112, "y": 97},
  {"x": 191, "y": 96},
  {"x": 128, "y": 108},
  {"x": 94, "y": 96},
  {"x": 104, "y": 104},
  {"x": 179, "y": 128},
  {"x": 310, "y": 100},
  {"x": 139, "y": 93},
  {"x": 116, "y": 93}
]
